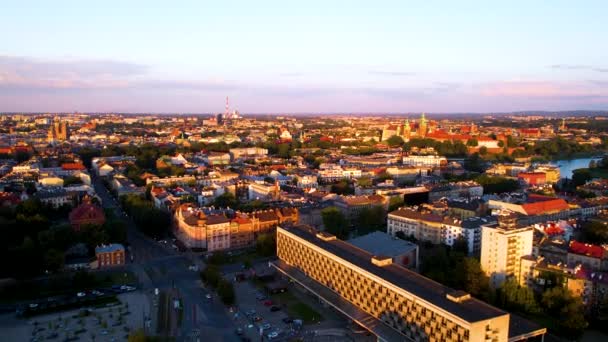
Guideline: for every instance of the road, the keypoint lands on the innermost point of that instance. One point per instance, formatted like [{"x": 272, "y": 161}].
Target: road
[{"x": 161, "y": 267}]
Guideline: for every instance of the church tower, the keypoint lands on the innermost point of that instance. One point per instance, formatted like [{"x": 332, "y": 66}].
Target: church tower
[
  {"x": 422, "y": 127},
  {"x": 407, "y": 130}
]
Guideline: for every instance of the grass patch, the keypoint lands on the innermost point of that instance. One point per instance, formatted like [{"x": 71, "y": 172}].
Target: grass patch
[
  {"x": 297, "y": 309},
  {"x": 304, "y": 312}
]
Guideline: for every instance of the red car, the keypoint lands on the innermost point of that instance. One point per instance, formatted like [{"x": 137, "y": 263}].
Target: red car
[{"x": 267, "y": 303}]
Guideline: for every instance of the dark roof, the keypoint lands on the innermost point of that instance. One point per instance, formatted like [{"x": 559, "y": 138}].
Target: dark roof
[
  {"x": 217, "y": 219},
  {"x": 471, "y": 310}
]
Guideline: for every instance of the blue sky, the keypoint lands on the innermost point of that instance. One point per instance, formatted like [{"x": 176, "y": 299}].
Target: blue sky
[{"x": 312, "y": 56}]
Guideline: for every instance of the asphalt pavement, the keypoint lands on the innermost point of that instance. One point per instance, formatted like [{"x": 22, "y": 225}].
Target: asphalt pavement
[{"x": 159, "y": 266}]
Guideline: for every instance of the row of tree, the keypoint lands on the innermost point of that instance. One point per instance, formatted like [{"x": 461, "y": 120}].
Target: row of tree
[
  {"x": 33, "y": 235},
  {"x": 450, "y": 266},
  {"x": 212, "y": 276},
  {"x": 149, "y": 219}
]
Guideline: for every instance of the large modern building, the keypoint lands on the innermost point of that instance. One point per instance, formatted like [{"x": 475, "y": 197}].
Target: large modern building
[
  {"x": 394, "y": 303},
  {"x": 502, "y": 247},
  {"x": 425, "y": 160}
]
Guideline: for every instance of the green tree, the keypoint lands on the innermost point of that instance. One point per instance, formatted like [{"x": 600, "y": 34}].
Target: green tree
[
  {"x": 284, "y": 150},
  {"x": 483, "y": 150},
  {"x": 472, "y": 142},
  {"x": 335, "y": 222},
  {"x": 515, "y": 297},
  {"x": 225, "y": 200},
  {"x": 511, "y": 141},
  {"x": 395, "y": 140},
  {"x": 395, "y": 203},
  {"x": 371, "y": 219},
  {"x": 266, "y": 244},
  {"x": 474, "y": 163},
  {"x": 225, "y": 291},
  {"x": 53, "y": 260},
  {"x": 496, "y": 184},
  {"x": 581, "y": 176},
  {"x": 364, "y": 181},
  {"x": 211, "y": 275},
  {"x": 567, "y": 309},
  {"x": 343, "y": 187},
  {"x": 471, "y": 278}
]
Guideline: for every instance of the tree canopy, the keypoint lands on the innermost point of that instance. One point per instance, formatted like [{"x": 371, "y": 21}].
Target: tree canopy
[{"x": 335, "y": 222}]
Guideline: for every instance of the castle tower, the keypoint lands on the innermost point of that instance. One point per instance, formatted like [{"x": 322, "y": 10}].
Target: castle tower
[
  {"x": 407, "y": 129},
  {"x": 473, "y": 128},
  {"x": 422, "y": 127}
]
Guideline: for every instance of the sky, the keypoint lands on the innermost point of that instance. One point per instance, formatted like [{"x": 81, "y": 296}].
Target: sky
[{"x": 303, "y": 56}]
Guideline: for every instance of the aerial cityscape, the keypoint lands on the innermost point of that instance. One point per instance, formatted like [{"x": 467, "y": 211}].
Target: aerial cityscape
[{"x": 304, "y": 172}]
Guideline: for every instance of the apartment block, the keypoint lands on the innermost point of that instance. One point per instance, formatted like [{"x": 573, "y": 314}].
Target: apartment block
[{"x": 389, "y": 300}]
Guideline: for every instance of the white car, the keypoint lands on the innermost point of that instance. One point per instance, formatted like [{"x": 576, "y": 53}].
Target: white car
[
  {"x": 272, "y": 335},
  {"x": 81, "y": 294}
]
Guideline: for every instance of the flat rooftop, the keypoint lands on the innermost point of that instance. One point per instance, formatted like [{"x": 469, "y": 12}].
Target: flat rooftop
[
  {"x": 380, "y": 243},
  {"x": 470, "y": 310}
]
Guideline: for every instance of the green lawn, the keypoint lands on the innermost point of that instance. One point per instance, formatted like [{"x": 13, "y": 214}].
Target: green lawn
[{"x": 296, "y": 308}]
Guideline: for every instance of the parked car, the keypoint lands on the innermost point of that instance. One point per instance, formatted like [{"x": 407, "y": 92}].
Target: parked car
[
  {"x": 274, "y": 308},
  {"x": 81, "y": 294},
  {"x": 287, "y": 320},
  {"x": 268, "y": 303},
  {"x": 239, "y": 331},
  {"x": 266, "y": 326},
  {"x": 250, "y": 312},
  {"x": 273, "y": 335},
  {"x": 257, "y": 318}
]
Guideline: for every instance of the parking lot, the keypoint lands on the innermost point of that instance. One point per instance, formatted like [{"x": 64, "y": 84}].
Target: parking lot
[
  {"x": 287, "y": 315},
  {"x": 258, "y": 312},
  {"x": 110, "y": 322}
]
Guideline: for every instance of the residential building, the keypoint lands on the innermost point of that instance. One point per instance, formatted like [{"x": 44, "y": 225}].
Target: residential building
[
  {"x": 248, "y": 152},
  {"x": 533, "y": 178},
  {"x": 351, "y": 206},
  {"x": 425, "y": 160},
  {"x": 307, "y": 182},
  {"x": 110, "y": 255},
  {"x": 85, "y": 214},
  {"x": 465, "y": 189},
  {"x": 54, "y": 196},
  {"x": 264, "y": 191},
  {"x": 218, "y": 232},
  {"x": 502, "y": 247}
]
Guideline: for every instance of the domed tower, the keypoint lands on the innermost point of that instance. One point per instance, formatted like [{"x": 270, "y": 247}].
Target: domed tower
[
  {"x": 407, "y": 129},
  {"x": 422, "y": 127}
]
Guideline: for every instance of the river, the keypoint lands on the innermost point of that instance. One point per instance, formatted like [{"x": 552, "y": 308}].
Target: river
[{"x": 567, "y": 166}]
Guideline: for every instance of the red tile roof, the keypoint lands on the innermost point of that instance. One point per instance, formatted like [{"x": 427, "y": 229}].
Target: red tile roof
[
  {"x": 73, "y": 166},
  {"x": 545, "y": 207},
  {"x": 586, "y": 249}
]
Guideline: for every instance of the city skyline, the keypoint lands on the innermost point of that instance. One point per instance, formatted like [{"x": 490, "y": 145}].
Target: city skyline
[{"x": 317, "y": 58}]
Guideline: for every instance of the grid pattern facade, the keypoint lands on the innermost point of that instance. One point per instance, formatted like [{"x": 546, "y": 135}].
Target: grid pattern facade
[{"x": 412, "y": 318}]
